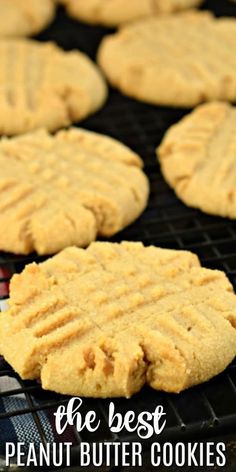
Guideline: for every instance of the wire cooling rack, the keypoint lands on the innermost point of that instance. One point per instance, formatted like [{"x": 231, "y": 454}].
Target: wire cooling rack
[{"x": 204, "y": 411}]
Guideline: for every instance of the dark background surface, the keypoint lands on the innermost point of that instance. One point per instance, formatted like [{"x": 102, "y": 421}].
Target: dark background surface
[{"x": 209, "y": 410}]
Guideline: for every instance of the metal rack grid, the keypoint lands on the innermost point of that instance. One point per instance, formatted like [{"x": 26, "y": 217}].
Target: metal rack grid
[{"x": 209, "y": 409}]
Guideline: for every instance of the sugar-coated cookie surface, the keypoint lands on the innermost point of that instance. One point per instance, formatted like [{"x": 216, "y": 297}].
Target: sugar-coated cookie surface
[
  {"x": 197, "y": 158},
  {"x": 66, "y": 189},
  {"x": 25, "y": 17},
  {"x": 104, "y": 321},
  {"x": 43, "y": 86},
  {"x": 178, "y": 60},
  {"x": 118, "y": 12}
]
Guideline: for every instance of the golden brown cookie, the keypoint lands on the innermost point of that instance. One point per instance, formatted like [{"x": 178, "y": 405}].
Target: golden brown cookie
[
  {"x": 25, "y": 17},
  {"x": 43, "y": 86},
  {"x": 180, "y": 60},
  {"x": 118, "y": 12},
  {"x": 197, "y": 158},
  {"x": 66, "y": 189},
  {"x": 104, "y": 321}
]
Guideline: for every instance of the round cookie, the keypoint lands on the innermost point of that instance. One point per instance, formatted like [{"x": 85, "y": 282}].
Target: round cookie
[
  {"x": 43, "y": 86},
  {"x": 117, "y": 316},
  {"x": 66, "y": 189},
  {"x": 118, "y": 12},
  {"x": 197, "y": 158},
  {"x": 180, "y": 60},
  {"x": 25, "y": 17}
]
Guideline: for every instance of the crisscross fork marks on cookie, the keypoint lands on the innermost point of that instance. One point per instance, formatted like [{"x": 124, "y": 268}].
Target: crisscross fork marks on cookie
[
  {"x": 197, "y": 158},
  {"x": 117, "y": 315},
  {"x": 198, "y": 66},
  {"x": 66, "y": 192},
  {"x": 38, "y": 86}
]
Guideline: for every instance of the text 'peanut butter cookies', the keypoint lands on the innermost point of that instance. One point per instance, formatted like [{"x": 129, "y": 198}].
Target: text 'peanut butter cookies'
[
  {"x": 104, "y": 321},
  {"x": 25, "y": 17},
  {"x": 179, "y": 60},
  {"x": 198, "y": 156},
  {"x": 66, "y": 189},
  {"x": 117, "y": 12},
  {"x": 44, "y": 86}
]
